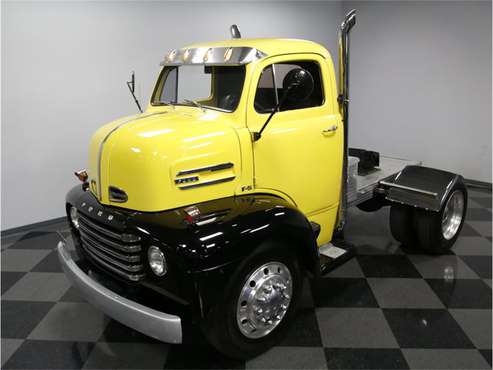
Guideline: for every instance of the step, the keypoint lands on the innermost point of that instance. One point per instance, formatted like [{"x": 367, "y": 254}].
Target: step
[{"x": 334, "y": 254}]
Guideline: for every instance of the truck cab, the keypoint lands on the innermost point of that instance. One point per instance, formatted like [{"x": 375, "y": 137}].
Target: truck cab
[{"x": 206, "y": 210}]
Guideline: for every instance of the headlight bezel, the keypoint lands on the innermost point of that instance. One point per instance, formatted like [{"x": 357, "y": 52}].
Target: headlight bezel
[{"x": 157, "y": 261}]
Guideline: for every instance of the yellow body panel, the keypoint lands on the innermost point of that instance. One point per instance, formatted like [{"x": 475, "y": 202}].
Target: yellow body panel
[
  {"x": 294, "y": 156},
  {"x": 144, "y": 154}
]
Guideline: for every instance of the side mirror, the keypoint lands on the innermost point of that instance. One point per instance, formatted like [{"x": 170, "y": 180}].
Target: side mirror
[
  {"x": 131, "y": 87},
  {"x": 298, "y": 84}
]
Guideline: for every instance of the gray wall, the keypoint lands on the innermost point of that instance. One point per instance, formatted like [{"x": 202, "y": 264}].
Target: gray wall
[
  {"x": 421, "y": 79},
  {"x": 64, "y": 65},
  {"x": 421, "y": 83}
]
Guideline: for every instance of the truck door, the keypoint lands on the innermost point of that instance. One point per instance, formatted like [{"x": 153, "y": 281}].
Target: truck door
[{"x": 300, "y": 151}]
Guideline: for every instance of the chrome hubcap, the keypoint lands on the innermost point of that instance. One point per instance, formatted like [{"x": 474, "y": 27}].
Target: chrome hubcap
[
  {"x": 452, "y": 214},
  {"x": 264, "y": 300}
]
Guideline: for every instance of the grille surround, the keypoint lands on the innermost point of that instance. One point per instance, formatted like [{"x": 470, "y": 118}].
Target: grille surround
[{"x": 115, "y": 252}]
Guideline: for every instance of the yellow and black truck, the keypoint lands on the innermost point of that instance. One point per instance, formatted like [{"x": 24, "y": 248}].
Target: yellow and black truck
[{"x": 206, "y": 210}]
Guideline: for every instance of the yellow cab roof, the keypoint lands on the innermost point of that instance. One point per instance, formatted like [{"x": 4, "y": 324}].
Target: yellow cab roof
[{"x": 270, "y": 46}]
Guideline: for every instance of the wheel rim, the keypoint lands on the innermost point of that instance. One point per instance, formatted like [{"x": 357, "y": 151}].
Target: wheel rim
[
  {"x": 452, "y": 214},
  {"x": 264, "y": 300}
]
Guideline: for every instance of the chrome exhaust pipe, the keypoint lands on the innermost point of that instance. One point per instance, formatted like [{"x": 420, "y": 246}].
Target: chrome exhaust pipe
[{"x": 343, "y": 99}]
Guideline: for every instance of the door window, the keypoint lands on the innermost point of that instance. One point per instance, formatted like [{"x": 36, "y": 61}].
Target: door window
[{"x": 270, "y": 87}]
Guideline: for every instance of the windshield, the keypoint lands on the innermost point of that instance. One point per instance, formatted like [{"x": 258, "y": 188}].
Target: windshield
[{"x": 206, "y": 87}]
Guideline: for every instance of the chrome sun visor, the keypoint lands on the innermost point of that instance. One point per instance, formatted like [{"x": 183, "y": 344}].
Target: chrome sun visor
[{"x": 212, "y": 56}]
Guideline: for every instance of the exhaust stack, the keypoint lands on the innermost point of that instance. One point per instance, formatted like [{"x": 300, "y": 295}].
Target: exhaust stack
[{"x": 343, "y": 99}]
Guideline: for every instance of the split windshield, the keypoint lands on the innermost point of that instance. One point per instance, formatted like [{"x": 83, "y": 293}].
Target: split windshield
[{"x": 206, "y": 87}]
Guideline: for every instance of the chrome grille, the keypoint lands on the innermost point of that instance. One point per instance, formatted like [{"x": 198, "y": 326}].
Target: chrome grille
[{"x": 118, "y": 253}]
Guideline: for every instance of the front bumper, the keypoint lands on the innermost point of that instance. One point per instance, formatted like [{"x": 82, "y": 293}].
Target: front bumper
[{"x": 153, "y": 323}]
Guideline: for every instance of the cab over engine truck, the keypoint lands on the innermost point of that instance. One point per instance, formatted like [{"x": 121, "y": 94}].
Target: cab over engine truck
[{"x": 206, "y": 210}]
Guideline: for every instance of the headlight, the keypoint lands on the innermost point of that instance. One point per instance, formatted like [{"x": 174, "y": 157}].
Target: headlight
[
  {"x": 74, "y": 217},
  {"x": 157, "y": 261}
]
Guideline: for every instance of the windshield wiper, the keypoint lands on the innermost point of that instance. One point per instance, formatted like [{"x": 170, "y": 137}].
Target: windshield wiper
[{"x": 197, "y": 104}]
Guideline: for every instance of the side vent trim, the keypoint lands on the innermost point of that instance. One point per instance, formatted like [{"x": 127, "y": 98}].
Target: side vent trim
[
  {"x": 117, "y": 195},
  {"x": 206, "y": 183},
  {"x": 217, "y": 167}
]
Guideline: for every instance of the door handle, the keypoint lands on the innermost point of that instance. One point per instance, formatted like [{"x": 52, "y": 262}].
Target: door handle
[{"x": 330, "y": 130}]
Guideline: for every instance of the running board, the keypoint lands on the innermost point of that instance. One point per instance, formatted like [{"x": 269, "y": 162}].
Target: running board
[{"x": 334, "y": 254}]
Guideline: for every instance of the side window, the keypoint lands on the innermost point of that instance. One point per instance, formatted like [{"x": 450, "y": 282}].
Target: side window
[
  {"x": 170, "y": 90},
  {"x": 270, "y": 87},
  {"x": 265, "y": 96}
]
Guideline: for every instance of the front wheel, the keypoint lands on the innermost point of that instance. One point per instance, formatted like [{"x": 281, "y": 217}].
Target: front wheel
[
  {"x": 438, "y": 231},
  {"x": 261, "y": 300}
]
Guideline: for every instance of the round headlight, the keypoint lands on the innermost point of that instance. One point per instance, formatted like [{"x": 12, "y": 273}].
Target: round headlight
[
  {"x": 157, "y": 261},
  {"x": 74, "y": 217}
]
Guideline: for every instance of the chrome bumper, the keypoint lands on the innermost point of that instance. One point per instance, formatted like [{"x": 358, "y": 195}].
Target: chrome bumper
[{"x": 146, "y": 320}]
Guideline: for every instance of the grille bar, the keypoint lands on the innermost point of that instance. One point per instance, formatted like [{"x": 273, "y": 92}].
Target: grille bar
[
  {"x": 124, "y": 248},
  {"x": 105, "y": 231},
  {"x": 94, "y": 243},
  {"x": 115, "y": 252},
  {"x": 129, "y": 268},
  {"x": 132, "y": 277}
]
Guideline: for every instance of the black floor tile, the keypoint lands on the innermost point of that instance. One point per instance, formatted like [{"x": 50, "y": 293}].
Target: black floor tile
[
  {"x": 19, "y": 318},
  {"x": 199, "y": 357},
  {"x": 419, "y": 328},
  {"x": 9, "y": 278},
  {"x": 37, "y": 354},
  {"x": 462, "y": 293},
  {"x": 342, "y": 292},
  {"x": 468, "y": 230},
  {"x": 395, "y": 266},
  {"x": 50, "y": 263},
  {"x": 486, "y": 353},
  {"x": 37, "y": 240},
  {"x": 117, "y": 332},
  {"x": 480, "y": 264},
  {"x": 303, "y": 331},
  {"x": 478, "y": 214},
  {"x": 362, "y": 358}
]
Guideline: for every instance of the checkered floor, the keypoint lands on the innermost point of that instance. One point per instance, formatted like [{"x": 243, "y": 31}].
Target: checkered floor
[{"x": 388, "y": 308}]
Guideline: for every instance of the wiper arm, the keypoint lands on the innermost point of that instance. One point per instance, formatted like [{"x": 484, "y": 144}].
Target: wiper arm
[{"x": 197, "y": 104}]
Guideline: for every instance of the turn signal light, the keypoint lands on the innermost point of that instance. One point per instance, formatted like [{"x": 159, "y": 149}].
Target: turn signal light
[{"x": 81, "y": 175}]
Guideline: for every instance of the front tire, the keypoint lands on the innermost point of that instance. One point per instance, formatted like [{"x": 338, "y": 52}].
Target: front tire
[
  {"x": 438, "y": 231},
  {"x": 260, "y": 302}
]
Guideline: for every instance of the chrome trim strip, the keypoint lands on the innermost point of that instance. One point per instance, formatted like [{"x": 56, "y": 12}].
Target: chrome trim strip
[
  {"x": 217, "y": 167},
  {"x": 213, "y": 182},
  {"x": 403, "y": 187},
  {"x": 233, "y": 55},
  {"x": 153, "y": 323}
]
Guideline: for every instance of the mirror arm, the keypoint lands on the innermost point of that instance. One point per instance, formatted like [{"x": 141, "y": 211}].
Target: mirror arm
[
  {"x": 131, "y": 87},
  {"x": 258, "y": 135}
]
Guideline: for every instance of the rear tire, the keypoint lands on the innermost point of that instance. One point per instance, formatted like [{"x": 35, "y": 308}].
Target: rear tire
[
  {"x": 224, "y": 328},
  {"x": 402, "y": 225},
  {"x": 438, "y": 231},
  {"x": 371, "y": 205}
]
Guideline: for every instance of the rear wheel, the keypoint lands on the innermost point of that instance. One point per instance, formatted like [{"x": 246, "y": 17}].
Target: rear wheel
[
  {"x": 260, "y": 301},
  {"x": 438, "y": 231},
  {"x": 402, "y": 225}
]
